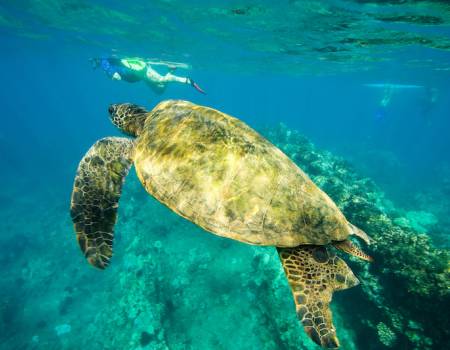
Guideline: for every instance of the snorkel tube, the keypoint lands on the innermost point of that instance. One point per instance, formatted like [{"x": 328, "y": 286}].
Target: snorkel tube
[{"x": 135, "y": 64}]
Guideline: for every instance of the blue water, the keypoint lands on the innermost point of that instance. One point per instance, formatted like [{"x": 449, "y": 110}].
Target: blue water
[{"x": 171, "y": 286}]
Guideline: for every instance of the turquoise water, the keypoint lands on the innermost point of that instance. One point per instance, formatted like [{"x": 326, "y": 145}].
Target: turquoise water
[{"x": 299, "y": 72}]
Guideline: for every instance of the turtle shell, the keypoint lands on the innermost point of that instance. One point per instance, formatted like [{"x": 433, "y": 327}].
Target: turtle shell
[{"x": 219, "y": 173}]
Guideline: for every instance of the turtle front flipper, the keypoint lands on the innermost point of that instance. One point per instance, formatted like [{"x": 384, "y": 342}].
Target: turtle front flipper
[
  {"x": 314, "y": 274},
  {"x": 95, "y": 196}
]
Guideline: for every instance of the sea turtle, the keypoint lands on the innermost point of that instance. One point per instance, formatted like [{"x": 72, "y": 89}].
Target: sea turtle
[{"x": 219, "y": 173}]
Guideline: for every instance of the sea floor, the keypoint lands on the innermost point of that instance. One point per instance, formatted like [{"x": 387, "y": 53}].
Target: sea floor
[{"x": 170, "y": 285}]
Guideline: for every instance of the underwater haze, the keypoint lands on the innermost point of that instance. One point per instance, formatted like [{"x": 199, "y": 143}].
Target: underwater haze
[{"x": 355, "y": 92}]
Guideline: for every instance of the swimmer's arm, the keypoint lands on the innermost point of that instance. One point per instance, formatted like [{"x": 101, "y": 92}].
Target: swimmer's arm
[{"x": 116, "y": 76}]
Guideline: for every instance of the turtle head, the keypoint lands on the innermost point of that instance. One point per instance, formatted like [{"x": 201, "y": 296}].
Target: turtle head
[{"x": 129, "y": 118}]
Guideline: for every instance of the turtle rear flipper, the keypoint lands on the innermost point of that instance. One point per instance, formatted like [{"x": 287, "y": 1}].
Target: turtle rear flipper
[
  {"x": 95, "y": 196},
  {"x": 314, "y": 274}
]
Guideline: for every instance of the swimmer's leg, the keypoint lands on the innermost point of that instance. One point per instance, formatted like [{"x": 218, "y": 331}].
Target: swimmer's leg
[
  {"x": 171, "y": 78},
  {"x": 154, "y": 78}
]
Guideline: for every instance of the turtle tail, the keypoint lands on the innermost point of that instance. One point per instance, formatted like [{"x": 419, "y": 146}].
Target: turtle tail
[
  {"x": 348, "y": 247},
  {"x": 361, "y": 234}
]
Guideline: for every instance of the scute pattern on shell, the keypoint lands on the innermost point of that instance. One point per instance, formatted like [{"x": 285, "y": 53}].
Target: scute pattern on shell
[{"x": 219, "y": 173}]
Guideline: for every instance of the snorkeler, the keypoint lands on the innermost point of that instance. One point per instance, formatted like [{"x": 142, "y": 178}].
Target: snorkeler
[
  {"x": 133, "y": 70},
  {"x": 428, "y": 103},
  {"x": 388, "y": 91},
  {"x": 381, "y": 112}
]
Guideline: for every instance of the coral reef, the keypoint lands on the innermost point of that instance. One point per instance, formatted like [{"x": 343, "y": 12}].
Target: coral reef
[
  {"x": 435, "y": 199},
  {"x": 386, "y": 335},
  {"x": 419, "y": 221},
  {"x": 173, "y": 286},
  {"x": 62, "y": 329},
  {"x": 408, "y": 286}
]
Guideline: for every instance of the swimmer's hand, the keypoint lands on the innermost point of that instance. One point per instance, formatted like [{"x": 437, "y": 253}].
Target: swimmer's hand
[{"x": 116, "y": 76}]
